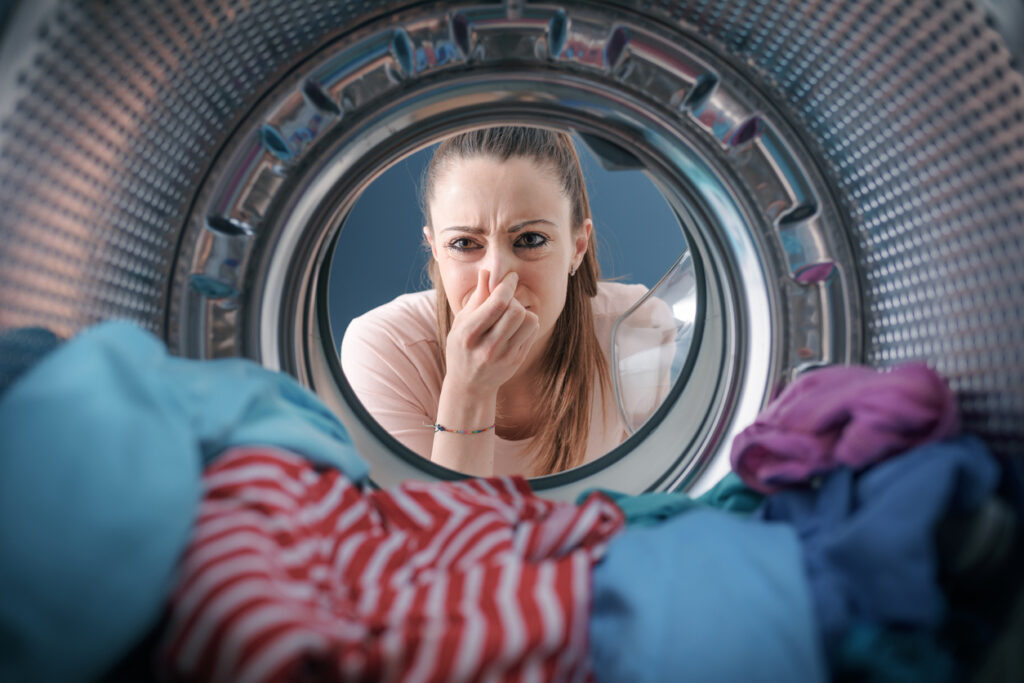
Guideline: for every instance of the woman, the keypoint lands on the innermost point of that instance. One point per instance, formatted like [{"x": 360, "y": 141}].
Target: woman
[{"x": 502, "y": 368}]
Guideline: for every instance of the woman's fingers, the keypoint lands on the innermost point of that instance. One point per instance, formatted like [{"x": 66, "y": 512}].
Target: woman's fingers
[
  {"x": 506, "y": 326},
  {"x": 478, "y": 322},
  {"x": 524, "y": 336},
  {"x": 488, "y": 342}
]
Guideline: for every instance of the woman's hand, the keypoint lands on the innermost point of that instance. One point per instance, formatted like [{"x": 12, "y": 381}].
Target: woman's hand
[
  {"x": 487, "y": 344},
  {"x": 489, "y": 339}
]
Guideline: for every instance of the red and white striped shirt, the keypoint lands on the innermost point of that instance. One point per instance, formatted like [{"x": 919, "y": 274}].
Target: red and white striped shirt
[{"x": 294, "y": 573}]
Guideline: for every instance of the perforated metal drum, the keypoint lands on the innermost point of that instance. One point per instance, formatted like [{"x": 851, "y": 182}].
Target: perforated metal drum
[{"x": 849, "y": 175}]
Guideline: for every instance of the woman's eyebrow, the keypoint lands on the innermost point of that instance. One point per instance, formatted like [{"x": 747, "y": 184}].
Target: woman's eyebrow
[
  {"x": 464, "y": 228},
  {"x": 519, "y": 226},
  {"x": 479, "y": 231}
]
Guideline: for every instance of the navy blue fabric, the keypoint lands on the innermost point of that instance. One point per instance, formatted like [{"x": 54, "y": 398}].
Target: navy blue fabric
[
  {"x": 869, "y": 538},
  {"x": 705, "y": 596},
  {"x": 102, "y": 444},
  {"x": 22, "y": 348}
]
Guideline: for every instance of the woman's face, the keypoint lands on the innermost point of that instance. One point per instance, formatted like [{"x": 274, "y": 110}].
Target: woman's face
[{"x": 505, "y": 216}]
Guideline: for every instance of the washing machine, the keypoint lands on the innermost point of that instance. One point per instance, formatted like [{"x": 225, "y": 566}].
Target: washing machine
[{"x": 847, "y": 175}]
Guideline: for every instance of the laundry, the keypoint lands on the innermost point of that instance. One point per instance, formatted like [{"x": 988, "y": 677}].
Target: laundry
[
  {"x": 869, "y": 546},
  {"x": 869, "y": 652},
  {"x": 705, "y": 596},
  {"x": 732, "y": 494},
  {"x": 20, "y": 349},
  {"x": 103, "y": 440},
  {"x": 295, "y": 571},
  {"x": 648, "y": 509},
  {"x": 843, "y": 416},
  {"x": 446, "y": 580}
]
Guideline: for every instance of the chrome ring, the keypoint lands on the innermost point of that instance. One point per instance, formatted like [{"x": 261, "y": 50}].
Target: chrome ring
[{"x": 754, "y": 212}]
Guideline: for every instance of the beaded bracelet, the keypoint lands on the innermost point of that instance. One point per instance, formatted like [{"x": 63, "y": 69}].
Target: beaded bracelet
[{"x": 438, "y": 427}]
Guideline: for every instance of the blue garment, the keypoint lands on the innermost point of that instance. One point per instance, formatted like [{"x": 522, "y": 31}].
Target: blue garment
[
  {"x": 102, "y": 445},
  {"x": 869, "y": 538},
  {"x": 20, "y": 349},
  {"x": 706, "y": 596}
]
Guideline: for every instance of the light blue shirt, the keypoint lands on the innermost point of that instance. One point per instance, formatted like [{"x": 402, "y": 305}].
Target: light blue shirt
[{"x": 102, "y": 445}]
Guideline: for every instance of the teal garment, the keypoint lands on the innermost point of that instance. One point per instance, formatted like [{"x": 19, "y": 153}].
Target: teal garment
[
  {"x": 102, "y": 445},
  {"x": 732, "y": 495},
  {"x": 647, "y": 509},
  {"x": 705, "y": 596}
]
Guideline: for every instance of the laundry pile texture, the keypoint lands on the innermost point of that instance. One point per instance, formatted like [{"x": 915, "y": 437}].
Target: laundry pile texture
[
  {"x": 294, "y": 572},
  {"x": 219, "y": 510},
  {"x": 849, "y": 416}
]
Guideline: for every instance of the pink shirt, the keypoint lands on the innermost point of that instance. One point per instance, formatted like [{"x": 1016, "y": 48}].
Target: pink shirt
[{"x": 391, "y": 358}]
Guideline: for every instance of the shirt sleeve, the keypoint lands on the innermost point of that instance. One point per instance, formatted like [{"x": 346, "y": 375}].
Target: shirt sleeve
[{"x": 398, "y": 382}]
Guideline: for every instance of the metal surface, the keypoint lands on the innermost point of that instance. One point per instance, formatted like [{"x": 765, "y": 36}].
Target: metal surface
[
  {"x": 387, "y": 90},
  {"x": 850, "y": 174}
]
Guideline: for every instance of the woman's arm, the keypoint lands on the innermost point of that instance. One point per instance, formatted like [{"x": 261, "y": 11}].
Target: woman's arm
[{"x": 487, "y": 344}]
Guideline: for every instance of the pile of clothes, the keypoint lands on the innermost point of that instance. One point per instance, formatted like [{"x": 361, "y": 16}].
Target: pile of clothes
[{"x": 218, "y": 513}]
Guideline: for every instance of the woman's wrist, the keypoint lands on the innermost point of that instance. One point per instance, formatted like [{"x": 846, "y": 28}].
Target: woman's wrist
[
  {"x": 459, "y": 408},
  {"x": 467, "y": 442},
  {"x": 470, "y": 393},
  {"x": 438, "y": 427}
]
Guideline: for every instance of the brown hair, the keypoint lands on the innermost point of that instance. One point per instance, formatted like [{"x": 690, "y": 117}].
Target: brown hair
[{"x": 573, "y": 355}]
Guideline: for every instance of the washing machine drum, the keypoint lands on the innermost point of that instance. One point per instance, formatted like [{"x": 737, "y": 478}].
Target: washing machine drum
[{"x": 848, "y": 175}]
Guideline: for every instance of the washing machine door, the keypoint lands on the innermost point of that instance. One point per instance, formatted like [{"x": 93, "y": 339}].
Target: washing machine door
[{"x": 848, "y": 177}]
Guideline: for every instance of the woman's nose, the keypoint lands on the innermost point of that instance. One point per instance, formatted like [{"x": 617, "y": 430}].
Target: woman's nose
[{"x": 499, "y": 264}]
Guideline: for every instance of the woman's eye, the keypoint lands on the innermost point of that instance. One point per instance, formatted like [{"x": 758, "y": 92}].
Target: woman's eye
[
  {"x": 531, "y": 240},
  {"x": 461, "y": 244}
]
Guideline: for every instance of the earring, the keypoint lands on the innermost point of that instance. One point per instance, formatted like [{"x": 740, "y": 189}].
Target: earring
[{"x": 572, "y": 271}]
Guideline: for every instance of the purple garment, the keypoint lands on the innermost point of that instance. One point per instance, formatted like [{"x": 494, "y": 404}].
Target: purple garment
[{"x": 837, "y": 416}]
